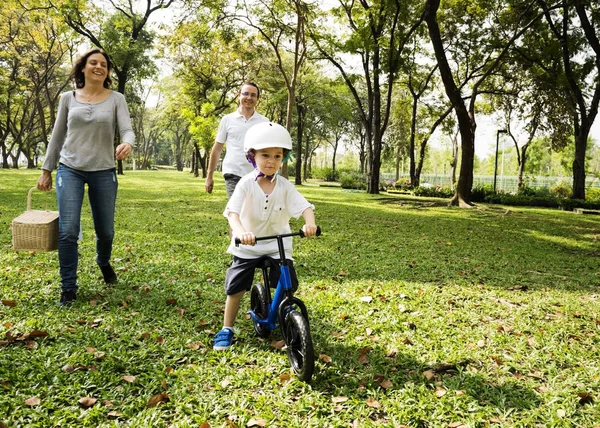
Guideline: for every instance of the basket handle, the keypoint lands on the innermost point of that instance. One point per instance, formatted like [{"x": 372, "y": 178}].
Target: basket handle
[{"x": 29, "y": 198}]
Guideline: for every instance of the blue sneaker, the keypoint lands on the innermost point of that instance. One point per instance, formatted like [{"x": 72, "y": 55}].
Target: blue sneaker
[{"x": 223, "y": 339}]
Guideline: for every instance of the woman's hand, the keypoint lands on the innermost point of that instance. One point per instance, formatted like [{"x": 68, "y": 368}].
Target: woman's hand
[
  {"x": 123, "y": 151},
  {"x": 44, "y": 183}
]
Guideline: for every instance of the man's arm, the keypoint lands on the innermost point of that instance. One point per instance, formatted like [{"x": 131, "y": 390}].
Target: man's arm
[{"x": 215, "y": 155}]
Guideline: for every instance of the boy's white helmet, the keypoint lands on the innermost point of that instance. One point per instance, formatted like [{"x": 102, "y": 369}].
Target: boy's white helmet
[{"x": 265, "y": 135}]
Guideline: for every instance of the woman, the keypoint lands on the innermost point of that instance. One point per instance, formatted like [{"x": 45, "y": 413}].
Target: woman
[{"x": 82, "y": 144}]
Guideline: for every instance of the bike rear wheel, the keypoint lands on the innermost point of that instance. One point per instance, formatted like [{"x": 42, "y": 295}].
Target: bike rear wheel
[
  {"x": 299, "y": 345},
  {"x": 259, "y": 303}
]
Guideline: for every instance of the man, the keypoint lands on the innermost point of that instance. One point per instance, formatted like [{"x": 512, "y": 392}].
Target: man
[{"x": 232, "y": 130}]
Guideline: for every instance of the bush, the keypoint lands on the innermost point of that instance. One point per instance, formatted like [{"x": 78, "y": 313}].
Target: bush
[
  {"x": 479, "y": 193},
  {"x": 327, "y": 174},
  {"x": 433, "y": 192},
  {"x": 592, "y": 194},
  {"x": 521, "y": 200},
  {"x": 353, "y": 181},
  {"x": 570, "y": 204},
  {"x": 562, "y": 190}
]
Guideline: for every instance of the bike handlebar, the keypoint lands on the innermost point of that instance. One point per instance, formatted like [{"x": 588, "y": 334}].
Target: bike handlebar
[{"x": 284, "y": 235}]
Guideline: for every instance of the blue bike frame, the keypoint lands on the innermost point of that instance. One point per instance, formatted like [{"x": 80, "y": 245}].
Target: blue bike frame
[{"x": 283, "y": 298}]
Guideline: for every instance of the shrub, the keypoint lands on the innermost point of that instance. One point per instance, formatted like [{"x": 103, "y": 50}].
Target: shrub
[
  {"x": 562, "y": 190},
  {"x": 521, "y": 200},
  {"x": 568, "y": 204},
  {"x": 403, "y": 184},
  {"x": 353, "y": 181},
  {"x": 433, "y": 192},
  {"x": 479, "y": 192},
  {"x": 592, "y": 194}
]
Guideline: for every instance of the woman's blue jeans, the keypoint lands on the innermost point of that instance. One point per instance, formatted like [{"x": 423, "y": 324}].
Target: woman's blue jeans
[{"x": 102, "y": 193}]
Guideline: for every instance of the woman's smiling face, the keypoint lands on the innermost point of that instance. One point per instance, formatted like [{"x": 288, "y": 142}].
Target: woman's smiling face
[{"x": 96, "y": 68}]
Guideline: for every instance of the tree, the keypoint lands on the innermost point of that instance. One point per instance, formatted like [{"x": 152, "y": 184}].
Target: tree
[
  {"x": 377, "y": 31},
  {"x": 577, "y": 35},
  {"x": 479, "y": 45}
]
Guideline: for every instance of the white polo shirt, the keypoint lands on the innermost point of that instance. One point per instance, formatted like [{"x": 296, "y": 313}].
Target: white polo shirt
[
  {"x": 265, "y": 215},
  {"x": 232, "y": 130}
]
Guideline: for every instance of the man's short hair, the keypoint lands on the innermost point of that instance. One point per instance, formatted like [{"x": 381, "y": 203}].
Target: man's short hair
[{"x": 249, "y": 83}]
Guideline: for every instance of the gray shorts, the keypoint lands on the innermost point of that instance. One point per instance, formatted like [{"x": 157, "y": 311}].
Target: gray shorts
[
  {"x": 240, "y": 275},
  {"x": 231, "y": 180}
]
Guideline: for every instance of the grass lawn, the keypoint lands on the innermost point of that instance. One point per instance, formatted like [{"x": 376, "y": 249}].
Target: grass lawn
[{"x": 421, "y": 315}]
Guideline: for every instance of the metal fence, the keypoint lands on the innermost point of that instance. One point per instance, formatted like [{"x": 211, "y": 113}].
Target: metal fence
[{"x": 503, "y": 183}]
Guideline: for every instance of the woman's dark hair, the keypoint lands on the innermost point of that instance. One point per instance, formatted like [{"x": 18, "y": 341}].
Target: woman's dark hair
[{"x": 77, "y": 71}]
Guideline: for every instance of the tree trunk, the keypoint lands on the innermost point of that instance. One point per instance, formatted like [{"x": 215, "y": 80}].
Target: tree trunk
[
  {"x": 579, "y": 163},
  {"x": 466, "y": 123},
  {"x": 521, "y": 173},
  {"x": 299, "y": 130}
]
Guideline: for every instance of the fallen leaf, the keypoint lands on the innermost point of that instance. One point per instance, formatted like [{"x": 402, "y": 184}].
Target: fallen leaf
[
  {"x": 371, "y": 402},
  {"x": 114, "y": 415},
  {"x": 561, "y": 413},
  {"x": 386, "y": 384},
  {"x": 10, "y": 303},
  {"x": 366, "y": 299},
  {"x": 284, "y": 378},
  {"x": 585, "y": 398},
  {"x": 256, "y": 423},
  {"x": 130, "y": 379},
  {"x": 392, "y": 353},
  {"x": 278, "y": 344},
  {"x": 429, "y": 374},
  {"x": 205, "y": 425},
  {"x": 325, "y": 358},
  {"x": 157, "y": 399},
  {"x": 68, "y": 368},
  {"x": 33, "y": 401},
  {"x": 340, "y": 399},
  {"x": 90, "y": 350},
  {"x": 87, "y": 401},
  {"x": 440, "y": 392}
]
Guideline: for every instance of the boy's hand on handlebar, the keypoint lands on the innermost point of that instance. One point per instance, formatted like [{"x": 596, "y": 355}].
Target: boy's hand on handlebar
[
  {"x": 247, "y": 238},
  {"x": 309, "y": 230}
]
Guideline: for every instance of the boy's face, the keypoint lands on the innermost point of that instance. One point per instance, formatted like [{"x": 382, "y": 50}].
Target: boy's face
[{"x": 268, "y": 161}]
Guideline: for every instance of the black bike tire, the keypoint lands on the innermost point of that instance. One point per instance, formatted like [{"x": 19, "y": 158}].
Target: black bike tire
[
  {"x": 259, "y": 303},
  {"x": 299, "y": 345}
]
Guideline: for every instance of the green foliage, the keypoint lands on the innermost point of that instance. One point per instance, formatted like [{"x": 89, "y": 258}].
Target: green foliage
[
  {"x": 327, "y": 174},
  {"x": 433, "y": 191},
  {"x": 421, "y": 315},
  {"x": 480, "y": 192},
  {"x": 354, "y": 180}
]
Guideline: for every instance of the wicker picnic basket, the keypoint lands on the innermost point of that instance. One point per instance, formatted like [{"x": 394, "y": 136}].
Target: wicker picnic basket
[{"x": 35, "y": 230}]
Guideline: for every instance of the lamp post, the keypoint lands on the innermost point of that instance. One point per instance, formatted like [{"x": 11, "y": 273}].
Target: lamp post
[{"x": 503, "y": 131}]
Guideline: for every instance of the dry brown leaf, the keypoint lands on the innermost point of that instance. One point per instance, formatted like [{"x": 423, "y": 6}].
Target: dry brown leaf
[
  {"x": 256, "y": 423},
  {"x": 371, "y": 402},
  {"x": 386, "y": 384},
  {"x": 284, "y": 378},
  {"x": 10, "y": 303},
  {"x": 429, "y": 374},
  {"x": 366, "y": 299},
  {"x": 457, "y": 425},
  {"x": 440, "y": 392},
  {"x": 229, "y": 423},
  {"x": 392, "y": 353},
  {"x": 130, "y": 379},
  {"x": 90, "y": 350},
  {"x": 340, "y": 399},
  {"x": 114, "y": 415},
  {"x": 68, "y": 368},
  {"x": 325, "y": 358},
  {"x": 363, "y": 359},
  {"x": 87, "y": 401},
  {"x": 561, "y": 413},
  {"x": 33, "y": 401},
  {"x": 278, "y": 344},
  {"x": 205, "y": 425},
  {"x": 157, "y": 399},
  {"x": 107, "y": 403}
]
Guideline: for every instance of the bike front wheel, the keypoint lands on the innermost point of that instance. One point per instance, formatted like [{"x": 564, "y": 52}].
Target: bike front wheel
[
  {"x": 259, "y": 303},
  {"x": 299, "y": 345}
]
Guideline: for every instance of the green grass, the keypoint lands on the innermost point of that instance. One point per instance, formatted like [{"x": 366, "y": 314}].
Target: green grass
[{"x": 422, "y": 315}]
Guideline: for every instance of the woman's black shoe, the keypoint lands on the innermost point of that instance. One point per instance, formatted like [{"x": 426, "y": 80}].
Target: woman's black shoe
[
  {"x": 67, "y": 298},
  {"x": 110, "y": 277}
]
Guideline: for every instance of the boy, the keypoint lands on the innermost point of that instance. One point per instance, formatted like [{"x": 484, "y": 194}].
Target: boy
[{"x": 262, "y": 204}]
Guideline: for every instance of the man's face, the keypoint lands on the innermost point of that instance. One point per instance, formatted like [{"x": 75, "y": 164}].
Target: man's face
[{"x": 248, "y": 96}]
